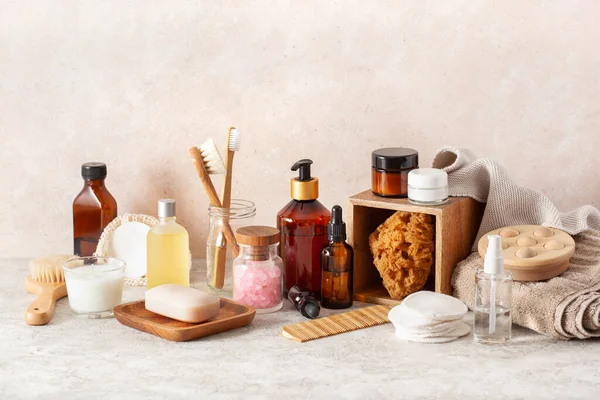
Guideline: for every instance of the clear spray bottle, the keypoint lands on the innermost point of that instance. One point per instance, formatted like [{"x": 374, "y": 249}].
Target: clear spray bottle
[{"x": 493, "y": 296}]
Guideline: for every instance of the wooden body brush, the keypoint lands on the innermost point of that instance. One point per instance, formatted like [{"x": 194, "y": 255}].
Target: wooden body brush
[
  {"x": 203, "y": 172},
  {"x": 233, "y": 145},
  {"x": 47, "y": 282}
]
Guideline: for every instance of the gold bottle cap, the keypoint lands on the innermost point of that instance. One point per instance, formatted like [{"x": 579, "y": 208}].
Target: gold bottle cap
[{"x": 304, "y": 190}]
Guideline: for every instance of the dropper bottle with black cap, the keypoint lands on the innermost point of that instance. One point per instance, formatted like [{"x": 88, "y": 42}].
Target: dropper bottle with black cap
[
  {"x": 93, "y": 209},
  {"x": 337, "y": 259},
  {"x": 303, "y": 226}
]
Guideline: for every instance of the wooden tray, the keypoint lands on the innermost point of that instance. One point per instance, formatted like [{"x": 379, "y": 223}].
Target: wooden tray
[{"x": 232, "y": 316}]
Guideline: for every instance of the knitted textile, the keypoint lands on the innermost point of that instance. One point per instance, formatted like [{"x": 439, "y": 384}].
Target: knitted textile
[{"x": 567, "y": 306}]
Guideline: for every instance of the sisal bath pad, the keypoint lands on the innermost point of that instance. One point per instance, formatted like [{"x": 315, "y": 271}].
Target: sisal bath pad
[
  {"x": 436, "y": 306},
  {"x": 125, "y": 238}
]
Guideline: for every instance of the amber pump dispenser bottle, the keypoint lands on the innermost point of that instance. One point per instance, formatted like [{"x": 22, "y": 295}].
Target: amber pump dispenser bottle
[
  {"x": 336, "y": 263},
  {"x": 93, "y": 209},
  {"x": 303, "y": 226}
]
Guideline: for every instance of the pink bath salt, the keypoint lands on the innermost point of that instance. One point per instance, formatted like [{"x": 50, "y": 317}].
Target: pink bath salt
[{"x": 257, "y": 284}]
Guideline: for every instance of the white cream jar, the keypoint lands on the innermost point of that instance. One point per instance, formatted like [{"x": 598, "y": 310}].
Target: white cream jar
[{"x": 428, "y": 186}]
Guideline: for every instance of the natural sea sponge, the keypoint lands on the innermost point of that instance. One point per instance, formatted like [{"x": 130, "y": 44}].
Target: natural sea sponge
[{"x": 402, "y": 249}]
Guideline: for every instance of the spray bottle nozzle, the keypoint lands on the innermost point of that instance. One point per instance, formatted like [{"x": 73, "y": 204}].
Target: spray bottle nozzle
[
  {"x": 495, "y": 244},
  {"x": 494, "y": 259},
  {"x": 304, "y": 167}
]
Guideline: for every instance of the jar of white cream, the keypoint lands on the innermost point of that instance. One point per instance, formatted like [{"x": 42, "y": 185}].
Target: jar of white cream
[
  {"x": 94, "y": 285},
  {"x": 427, "y": 186}
]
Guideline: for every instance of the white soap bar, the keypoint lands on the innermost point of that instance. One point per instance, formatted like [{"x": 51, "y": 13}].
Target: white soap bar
[{"x": 182, "y": 303}]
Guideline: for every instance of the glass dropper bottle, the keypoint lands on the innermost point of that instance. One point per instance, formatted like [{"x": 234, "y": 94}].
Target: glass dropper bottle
[{"x": 336, "y": 265}]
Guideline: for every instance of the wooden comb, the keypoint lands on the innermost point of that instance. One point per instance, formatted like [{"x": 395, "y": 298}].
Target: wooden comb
[{"x": 336, "y": 324}]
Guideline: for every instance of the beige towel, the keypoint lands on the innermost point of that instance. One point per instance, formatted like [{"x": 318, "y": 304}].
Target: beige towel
[{"x": 567, "y": 306}]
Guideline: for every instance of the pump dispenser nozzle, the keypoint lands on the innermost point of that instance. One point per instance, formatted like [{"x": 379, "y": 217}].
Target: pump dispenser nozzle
[
  {"x": 304, "y": 187},
  {"x": 304, "y": 167}
]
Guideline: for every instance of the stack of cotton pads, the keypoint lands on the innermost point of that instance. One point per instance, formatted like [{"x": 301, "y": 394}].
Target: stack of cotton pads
[{"x": 428, "y": 317}]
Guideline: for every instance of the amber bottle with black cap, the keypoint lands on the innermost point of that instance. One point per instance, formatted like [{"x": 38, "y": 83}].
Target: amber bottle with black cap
[
  {"x": 337, "y": 260},
  {"x": 93, "y": 209},
  {"x": 303, "y": 226}
]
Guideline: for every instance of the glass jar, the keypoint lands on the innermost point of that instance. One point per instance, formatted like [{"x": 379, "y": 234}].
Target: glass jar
[
  {"x": 390, "y": 168},
  {"x": 95, "y": 285},
  {"x": 258, "y": 270},
  {"x": 428, "y": 186},
  {"x": 241, "y": 213}
]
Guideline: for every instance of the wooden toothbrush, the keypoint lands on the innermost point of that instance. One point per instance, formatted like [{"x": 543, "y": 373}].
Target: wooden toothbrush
[
  {"x": 47, "y": 282},
  {"x": 203, "y": 172},
  {"x": 233, "y": 145}
]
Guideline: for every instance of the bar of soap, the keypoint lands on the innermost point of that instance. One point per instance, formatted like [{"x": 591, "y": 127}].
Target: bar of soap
[{"x": 182, "y": 303}]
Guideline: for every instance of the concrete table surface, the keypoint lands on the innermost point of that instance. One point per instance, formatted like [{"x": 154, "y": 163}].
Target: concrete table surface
[{"x": 89, "y": 359}]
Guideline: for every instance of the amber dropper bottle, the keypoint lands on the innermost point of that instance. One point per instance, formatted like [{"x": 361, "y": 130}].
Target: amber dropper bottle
[{"x": 336, "y": 265}]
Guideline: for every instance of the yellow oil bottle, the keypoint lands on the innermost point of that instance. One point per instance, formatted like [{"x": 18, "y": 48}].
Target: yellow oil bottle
[{"x": 168, "y": 249}]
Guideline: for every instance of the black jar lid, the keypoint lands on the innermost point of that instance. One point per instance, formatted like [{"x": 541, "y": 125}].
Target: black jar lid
[
  {"x": 93, "y": 170},
  {"x": 395, "y": 158}
]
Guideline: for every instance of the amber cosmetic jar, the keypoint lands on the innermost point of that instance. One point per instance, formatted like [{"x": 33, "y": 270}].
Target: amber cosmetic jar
[{"x": 390, "y": 168}]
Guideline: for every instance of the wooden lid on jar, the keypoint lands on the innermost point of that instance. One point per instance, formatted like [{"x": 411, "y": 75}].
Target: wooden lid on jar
[{"x": 257, "y": 235}]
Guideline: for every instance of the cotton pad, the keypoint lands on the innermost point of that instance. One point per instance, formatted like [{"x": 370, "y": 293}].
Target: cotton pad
[
  {"x": 462, "y": 329},
  {"x": 445, "y": 332},
  {"x": 436, "y": 306},
  {"x": 437, "y": 330},
  {"x": 429, "y": 317},
  {"x": 399, "y": 315}
]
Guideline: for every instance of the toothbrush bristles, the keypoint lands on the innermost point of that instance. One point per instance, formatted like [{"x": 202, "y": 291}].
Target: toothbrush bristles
[
  {"x": 234, "y": 139},
  {"x": 211, "y": 157}
]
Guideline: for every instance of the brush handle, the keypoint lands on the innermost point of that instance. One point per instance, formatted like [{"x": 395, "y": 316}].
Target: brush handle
[
  {"x": 221, "y": 250},
  {"x": 226, "y": 194},
  {"x": 41, "y": 310},
  {"x": 212, "y": 196}
]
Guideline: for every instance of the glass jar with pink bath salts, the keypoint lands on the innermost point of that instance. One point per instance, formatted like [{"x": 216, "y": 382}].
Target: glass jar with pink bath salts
[{"x": 258, "y": 270}]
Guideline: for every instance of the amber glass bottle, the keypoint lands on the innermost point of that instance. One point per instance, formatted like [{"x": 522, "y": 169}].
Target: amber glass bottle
[
  {"x": 337, "y": 259},
  {"x": 93, "y": 209},
  {"x": 303, "y": 226}
]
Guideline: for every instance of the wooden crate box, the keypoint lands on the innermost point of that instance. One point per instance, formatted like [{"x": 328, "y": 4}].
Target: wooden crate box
[{"x": 456, "y": 225}]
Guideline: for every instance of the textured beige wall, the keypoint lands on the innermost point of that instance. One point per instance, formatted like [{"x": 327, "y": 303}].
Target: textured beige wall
[{"x": 136, "y": 83}]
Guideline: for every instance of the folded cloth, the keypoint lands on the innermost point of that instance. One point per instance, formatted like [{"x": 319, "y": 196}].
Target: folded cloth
[
  {"x": 507, "y": 203},
  {"x": 567, "y": 306}
]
